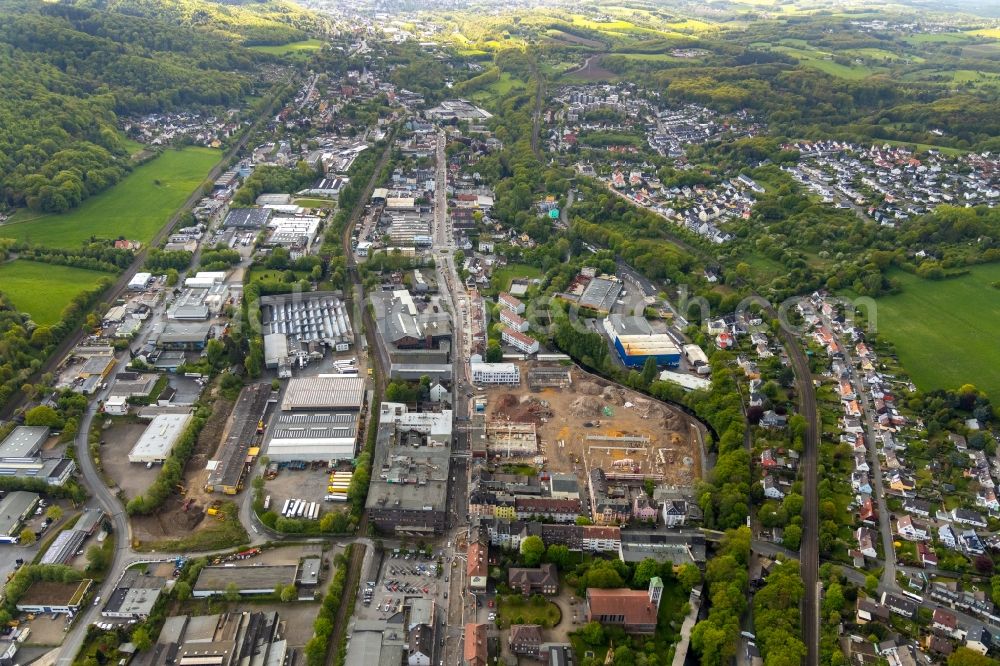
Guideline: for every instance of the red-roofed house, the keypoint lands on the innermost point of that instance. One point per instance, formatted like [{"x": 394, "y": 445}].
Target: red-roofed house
[
  {"x": 511, "y": 303},
  {"x": 477, "y": 566},
  {"x": 633, "y": 610},
  {"x": 476, "y": 651}
]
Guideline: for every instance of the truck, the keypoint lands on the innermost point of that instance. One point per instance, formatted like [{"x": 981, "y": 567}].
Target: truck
[{"x": 267, "y": 503}]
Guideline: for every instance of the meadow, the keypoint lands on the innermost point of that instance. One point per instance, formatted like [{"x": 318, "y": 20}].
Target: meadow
[
  {"x": 502, "y": 276},
  {"x": 137, "y": 207},
  {"x": 22, "y": 282},
  {"x": 297, "y": 50},
  {"x": 945, "y": 331}
]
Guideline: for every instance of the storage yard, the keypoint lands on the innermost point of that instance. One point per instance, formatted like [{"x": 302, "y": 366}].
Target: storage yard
[{"x": 595, "y": 424}]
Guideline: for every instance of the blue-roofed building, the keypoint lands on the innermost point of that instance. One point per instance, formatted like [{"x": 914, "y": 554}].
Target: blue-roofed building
[{"x": 635, "y": 341}]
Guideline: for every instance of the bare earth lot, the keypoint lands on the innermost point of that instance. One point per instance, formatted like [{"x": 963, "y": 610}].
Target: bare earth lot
[
  {"x": 592, "y": 407},
  {"x": 119, "y": 439}
]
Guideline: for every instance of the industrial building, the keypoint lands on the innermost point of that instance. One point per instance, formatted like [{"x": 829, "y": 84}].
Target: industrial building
[
  {"x": 246, "y": 219},
  {"x": 307, "y": 319},
  {"x": 324, "y": 393},
  {"x": 601, "y": 293},
  {"x": 495, "y": 373},
  {"x": 235, "y": 455},
  {"x": 191, "y": 336},
  {"x": 14, "y": 509},
  {"x": 198, "y": 304},
  {"x": 230, "y": 639},
  {"x": 134, "y": 595},
  {"x": 45, "y": 596},
  {"x": 409, "y": 485},
  {"x": 293, "y": 232},
  {"x": 437, "y": 426},
  {"x": 250, "y": 579},
  {"x": 64, "y": 547},
  {"x": 140, "y": 281},
  {"x": 416, "y": 340},
  {"x": 158, "y": 439},
  {"x": 310, "y": 436},
  {"x": 635, "y": 342},
  {"x": 21, "y": 456}
]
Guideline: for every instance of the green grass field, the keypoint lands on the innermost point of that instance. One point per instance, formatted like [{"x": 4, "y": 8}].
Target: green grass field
[
  {"x": 944, "y": 37},
  {"x": 137, "y": 207},
  {"x": 502, "y": 276},
  {"x": 297, "y": 50},
  {"x": 817, "y": 60},
  {"x": 43, "y": 290},
  {"x": 945, "y": 331},
  {"x": 315, "y": 203}
]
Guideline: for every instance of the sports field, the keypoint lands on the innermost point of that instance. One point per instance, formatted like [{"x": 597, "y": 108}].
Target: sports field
[
  {"x": 136, "y": 208},
  {"x": 945, "y": 331},
  {"x": 43, "y": 290}
]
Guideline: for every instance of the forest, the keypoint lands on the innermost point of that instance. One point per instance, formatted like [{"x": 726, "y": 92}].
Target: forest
[{"x": 70, "y": 71}]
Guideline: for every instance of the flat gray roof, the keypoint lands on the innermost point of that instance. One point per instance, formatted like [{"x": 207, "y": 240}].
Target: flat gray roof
[
  {"x": 309, "y": 575},
  {"x": 182, "y": 332},
  {"x": 13, "y": 508},
  {"x": 24, "y": 441}
]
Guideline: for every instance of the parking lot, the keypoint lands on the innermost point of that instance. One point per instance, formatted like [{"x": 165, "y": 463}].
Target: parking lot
[
  {"x": 307, "y": 484},
  {"x": 116, "y": 441},
  {"x": 402, "y": 576}
]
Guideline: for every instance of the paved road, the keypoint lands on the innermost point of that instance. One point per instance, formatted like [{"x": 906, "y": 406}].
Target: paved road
[{"x": 875, "y": 476}]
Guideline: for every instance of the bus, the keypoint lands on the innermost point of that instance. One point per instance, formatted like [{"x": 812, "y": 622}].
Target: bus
[{"x": 915, "y": 597}]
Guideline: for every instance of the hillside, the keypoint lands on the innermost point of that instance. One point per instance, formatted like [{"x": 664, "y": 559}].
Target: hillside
[{"x": 70, "y": 71}]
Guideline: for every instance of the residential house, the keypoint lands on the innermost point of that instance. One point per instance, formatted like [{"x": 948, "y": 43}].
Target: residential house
[
  {"x": 946, "y": 536},
  {"x": 860, "y": 483},
  {"x": 867, "y": 513},
  {"x": 866, "y": 541},
  {"x": 918, "y": 507},
  {"x": 978, "y": 638},
  {"x": 971, "y": 543},
  {"x": 525, "y": 640},
  {"x": 420, "y": 646},
  {"x": 911, "y": 530},
  {"x": 901, "y": 482},
  {"x": 772, "y": 419},
  {"x": 674, "y": 513},
  {"x": 644, "y": 508},
  {"x": 928, "y": 557},
  {"x": 543, "y": 579},
  {"x": 939, "y": 645},
  {"x": 945, "y": 622},
  {"x": 967, "y": 517},
  {"x": 899, "y": 605},
  {"x": 476, "y": 650},
  {"x": 771, "y": 488},
  {"x": 869, "y": 610},
  {"x": 987, "y": 499},
  {"x": 477, "y": 565}
]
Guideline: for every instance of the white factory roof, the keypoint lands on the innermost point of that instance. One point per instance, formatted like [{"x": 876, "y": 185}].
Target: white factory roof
[
  {"x": 689, "y": 382},
  {"x": 159, "y": 438},
  {"x": 329, "y": 392},
  {"x": 140, "y": 280}
]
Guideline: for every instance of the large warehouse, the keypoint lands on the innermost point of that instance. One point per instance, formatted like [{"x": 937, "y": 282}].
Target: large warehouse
[
  {"x": 310, "y": 436},
  {"x": 635, "y": 342},
  {"x": 158, "y": 439},
  {"x": 324, "y": 393}
]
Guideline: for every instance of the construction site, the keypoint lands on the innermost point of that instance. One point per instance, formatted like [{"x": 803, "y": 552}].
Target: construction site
[{"x": 596, "y": 424}]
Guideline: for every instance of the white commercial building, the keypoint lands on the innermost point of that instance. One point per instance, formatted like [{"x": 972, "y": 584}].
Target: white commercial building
[
  {"x": 140, "y": 281},
  {"x": 495, "y": 373},
  {"x": 158, "y": 440},
  {"x": 310, "y": 436}
]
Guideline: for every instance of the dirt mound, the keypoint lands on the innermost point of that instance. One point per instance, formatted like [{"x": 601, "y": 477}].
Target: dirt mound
[
  {"x": 586, "y": 406},
  {"x": 588, "y": 388},
  {"x": 610, "y": 394},
  {"x": 507, "y": 401}
]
